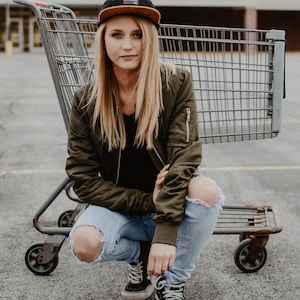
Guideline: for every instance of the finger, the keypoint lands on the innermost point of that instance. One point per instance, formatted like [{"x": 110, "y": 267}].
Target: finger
[
  {"x": 161, "y": 176},
  {"x": 165, "y": 265},
  {"x": 158, "y": 267},
  {"x": 165, "y": 168},
  {"x": 159, "y": 181},
  {"x": 171, "y": 262},
  {"x": 150, "y": 266}
]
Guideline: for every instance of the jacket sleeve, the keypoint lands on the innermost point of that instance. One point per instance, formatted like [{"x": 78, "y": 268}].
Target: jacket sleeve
[
  {"x": 184, "y": 153},
  {"x": 84, "y": 169}
]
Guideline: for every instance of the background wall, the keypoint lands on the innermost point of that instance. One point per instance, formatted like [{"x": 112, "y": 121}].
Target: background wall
[{"x": 210, "y": 16}]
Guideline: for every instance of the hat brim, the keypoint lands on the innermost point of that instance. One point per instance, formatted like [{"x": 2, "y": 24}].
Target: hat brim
[{"x": 148, "y": 12}]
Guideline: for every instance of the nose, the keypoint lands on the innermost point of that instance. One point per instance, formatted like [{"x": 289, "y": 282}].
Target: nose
[{"x": 127, "y": 43}]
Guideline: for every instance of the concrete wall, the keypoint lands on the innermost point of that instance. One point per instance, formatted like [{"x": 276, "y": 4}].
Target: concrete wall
[
  {"x": 235, "y": 17},
  {"x": 288, "y": 5},
  {"x": 210, "y": 16}
]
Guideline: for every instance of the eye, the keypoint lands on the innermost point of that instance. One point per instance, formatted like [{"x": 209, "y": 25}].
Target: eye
[
  {"x": 116, "y": 35},
  {"x": 138, "y": 35}
]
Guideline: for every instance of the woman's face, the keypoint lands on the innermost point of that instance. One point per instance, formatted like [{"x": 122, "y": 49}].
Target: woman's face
[{"x": 123, "y": 42}]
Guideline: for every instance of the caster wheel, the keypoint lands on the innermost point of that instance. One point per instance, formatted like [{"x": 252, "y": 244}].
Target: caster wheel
[
  {"x": 32, "y": 258},
  {"x": 243, "y": 262},
  {"x": 65, "y": 219},
  {"x": 243, "y": 236}
]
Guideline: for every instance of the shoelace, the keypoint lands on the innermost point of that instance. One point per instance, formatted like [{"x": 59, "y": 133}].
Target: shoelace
[
  {"x": 135, "y": 273},
  {"x": 170, "y": 291}
]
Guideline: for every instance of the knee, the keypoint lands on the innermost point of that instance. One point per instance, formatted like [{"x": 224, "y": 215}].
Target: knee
[
  {"x": 204, "y": 189},
  {"x": 87, "y": 243}
]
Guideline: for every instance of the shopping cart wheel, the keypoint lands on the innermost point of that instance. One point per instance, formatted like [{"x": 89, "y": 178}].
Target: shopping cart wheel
[
  {"x": 33, "y": 261},
  {"x": 66, "y": 219},
  {"x": 242, "y": 260},
  {"x": 243, "y": 236}
]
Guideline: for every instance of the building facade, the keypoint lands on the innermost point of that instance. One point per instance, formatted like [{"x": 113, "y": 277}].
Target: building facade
[{"x": 18, "y": 24}]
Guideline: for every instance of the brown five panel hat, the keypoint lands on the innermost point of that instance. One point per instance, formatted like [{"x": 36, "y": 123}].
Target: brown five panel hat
[{"x": 144, "y": 8}]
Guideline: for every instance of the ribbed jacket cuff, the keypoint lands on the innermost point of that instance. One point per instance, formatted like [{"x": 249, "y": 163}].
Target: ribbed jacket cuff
[{"x": 165, "y": 233}]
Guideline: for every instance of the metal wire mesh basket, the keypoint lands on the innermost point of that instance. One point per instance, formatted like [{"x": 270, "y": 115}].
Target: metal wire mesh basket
[
  {"x": 234, "y": 74},
  {"x": 238, "y": 74}
]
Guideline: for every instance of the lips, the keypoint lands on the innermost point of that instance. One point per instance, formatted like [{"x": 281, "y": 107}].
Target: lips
[{"x": 128, "y": 56}]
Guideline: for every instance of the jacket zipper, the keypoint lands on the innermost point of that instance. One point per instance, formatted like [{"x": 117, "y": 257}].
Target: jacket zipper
[
  {"x": 187, "y": 123},
  {"x": 158, "y": 156},
  {"x": 119, "y": 166},
  {"x": 120, "y": 153}
]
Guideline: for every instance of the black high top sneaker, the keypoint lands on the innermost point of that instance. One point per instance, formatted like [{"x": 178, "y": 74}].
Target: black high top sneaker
[
  {"x": 139, "y": 287},
  {"x": 168, "y": 291}
]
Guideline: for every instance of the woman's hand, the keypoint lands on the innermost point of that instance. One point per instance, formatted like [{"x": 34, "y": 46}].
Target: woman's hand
[
  {"x": 159, "y": 181},
  {"x": 161, "y": 258}
]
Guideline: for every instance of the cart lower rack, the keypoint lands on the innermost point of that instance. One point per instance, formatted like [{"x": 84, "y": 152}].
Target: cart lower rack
[{"x": 238, "y": 78}]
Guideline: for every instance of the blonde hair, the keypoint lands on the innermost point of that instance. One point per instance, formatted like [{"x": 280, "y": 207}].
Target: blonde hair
[{"x": 104, "y": 92}]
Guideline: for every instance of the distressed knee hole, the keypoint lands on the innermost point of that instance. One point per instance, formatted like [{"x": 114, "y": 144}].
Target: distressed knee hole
[
  {"x": 204, "y": 190},
  {"x": 198, "y": 202},
  {"x": 87, "y": 243}
]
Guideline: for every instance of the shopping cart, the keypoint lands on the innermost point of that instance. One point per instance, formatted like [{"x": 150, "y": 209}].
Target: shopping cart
[{"x": 238, "y": 79}]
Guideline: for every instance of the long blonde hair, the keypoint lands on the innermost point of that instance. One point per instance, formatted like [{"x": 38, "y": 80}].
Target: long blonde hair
[{"x": 149, "y": 102}]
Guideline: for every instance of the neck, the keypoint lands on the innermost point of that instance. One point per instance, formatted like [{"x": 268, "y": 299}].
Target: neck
[
  {"x": 127, "y": 83},
  {"x": 126, "y": 79}
]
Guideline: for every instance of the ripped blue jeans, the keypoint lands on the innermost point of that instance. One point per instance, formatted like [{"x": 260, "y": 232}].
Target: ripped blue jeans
[{"x": 122, "y": 234}]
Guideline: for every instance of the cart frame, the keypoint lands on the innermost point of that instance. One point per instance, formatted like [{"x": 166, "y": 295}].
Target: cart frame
[{"x": 238, "y": 79}]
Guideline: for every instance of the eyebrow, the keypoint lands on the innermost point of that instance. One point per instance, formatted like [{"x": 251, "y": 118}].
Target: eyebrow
[{"x": 119, "y": 29}]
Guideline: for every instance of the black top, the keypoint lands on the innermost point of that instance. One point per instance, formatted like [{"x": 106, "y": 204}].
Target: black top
[{"x": 137, "y": 169}]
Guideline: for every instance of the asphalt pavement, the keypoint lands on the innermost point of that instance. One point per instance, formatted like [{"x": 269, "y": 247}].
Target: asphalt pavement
[{"x": 32, "y": 158}]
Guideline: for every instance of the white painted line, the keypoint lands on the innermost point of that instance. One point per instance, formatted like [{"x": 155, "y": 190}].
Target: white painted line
[
  {"x": 213, "y": 169},
  {"x": 33, "y": 172},
  {"x": 252, "y": 168}
]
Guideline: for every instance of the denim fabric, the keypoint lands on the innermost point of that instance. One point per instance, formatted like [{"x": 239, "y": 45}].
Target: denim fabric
[
  {"x": 122, "y": 234},
  {"x": 193, "y": 235}
]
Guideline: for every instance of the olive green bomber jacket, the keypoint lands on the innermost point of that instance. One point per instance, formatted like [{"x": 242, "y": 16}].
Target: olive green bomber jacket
[{"x": 94, "y": 170}]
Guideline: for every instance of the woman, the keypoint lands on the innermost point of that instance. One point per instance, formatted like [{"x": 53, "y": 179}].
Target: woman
[{"x": 134, "y": 153}]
